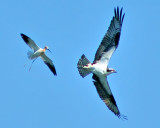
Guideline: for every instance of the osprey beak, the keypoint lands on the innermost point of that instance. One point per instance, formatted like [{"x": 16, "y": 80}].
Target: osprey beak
[
  {"x": 114, "y": 71},
  {"x": 49, "y": 50}
]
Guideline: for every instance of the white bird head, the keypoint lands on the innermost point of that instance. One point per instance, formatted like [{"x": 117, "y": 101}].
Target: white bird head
[
  {"x": 46, "y": 47},
  {"x": 110, "y": 71}
]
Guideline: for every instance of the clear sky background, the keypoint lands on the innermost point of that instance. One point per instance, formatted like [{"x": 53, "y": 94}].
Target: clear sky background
[{"x": 38, "y": 99}]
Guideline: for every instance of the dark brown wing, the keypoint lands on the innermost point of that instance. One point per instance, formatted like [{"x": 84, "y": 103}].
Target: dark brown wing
[
  {"x": 111, "y": 39},
  {"x": 106, "y": 95}
]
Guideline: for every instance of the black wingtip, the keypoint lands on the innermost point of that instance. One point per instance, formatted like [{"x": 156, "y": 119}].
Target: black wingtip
[
  {"x": 118, "y": 14},
  {"x": 24, "y": 37},
  {"x": 115, "y": 12},
  {"x": 52, "y": 68},
  {"x": 123, "y": 117}
]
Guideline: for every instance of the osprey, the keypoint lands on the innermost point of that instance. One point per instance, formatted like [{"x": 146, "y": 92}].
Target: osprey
[{"x": 99, "y": 67}]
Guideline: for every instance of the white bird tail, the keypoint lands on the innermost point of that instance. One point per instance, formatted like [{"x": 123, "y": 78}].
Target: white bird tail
[
  {"x": 83, "y": 61},
  {"x": 30, "y": 54}
]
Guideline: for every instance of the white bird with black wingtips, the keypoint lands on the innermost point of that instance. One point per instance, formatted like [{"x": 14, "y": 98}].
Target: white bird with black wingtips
[
  {"x": 99, "y": 67},
  {"x": 38, "y": 52}
]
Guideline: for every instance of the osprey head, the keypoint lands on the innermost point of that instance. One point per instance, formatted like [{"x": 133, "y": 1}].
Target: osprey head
[{"x": 110, "y": 71}]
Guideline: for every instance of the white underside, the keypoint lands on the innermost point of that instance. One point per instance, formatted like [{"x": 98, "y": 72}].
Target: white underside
[
  {"x": 101, "y": 72},
  {"x": 106, "y": 57},
  {"x": 99, "y": 69},
  {"x": 33, "y": 55}
]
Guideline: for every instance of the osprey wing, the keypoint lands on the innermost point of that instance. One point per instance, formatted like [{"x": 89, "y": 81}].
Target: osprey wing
[
  {"x": 105, "y": 94},
  {"x": 111, "y": 39}
]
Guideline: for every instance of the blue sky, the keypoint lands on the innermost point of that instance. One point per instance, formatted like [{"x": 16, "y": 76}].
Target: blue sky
[{"x": 37, "y": 99}]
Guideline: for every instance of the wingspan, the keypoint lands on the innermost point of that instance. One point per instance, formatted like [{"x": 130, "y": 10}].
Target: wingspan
[
  {"x": 106, "y": 94},
  {"x": 111, "y": 39},
  {"x": 30, "y": 42},
  {"x": 49, "y": 63}
]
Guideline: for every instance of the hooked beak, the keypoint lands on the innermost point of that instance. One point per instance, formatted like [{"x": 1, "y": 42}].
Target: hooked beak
[
  {"x": 49, "y": 50},
  {"x": 115, "y": 71}
]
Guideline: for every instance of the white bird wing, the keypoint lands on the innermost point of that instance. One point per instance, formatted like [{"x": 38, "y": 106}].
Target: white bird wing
[
  {"x": 49, "y": 63},
  {"x": 30, "y": 42},
  {"x": 105, "y": 94},
  {"x": 111, "y": 39}
]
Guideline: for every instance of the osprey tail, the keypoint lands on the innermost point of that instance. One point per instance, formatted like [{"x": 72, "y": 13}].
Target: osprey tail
[{"x": 83, "y": 61}]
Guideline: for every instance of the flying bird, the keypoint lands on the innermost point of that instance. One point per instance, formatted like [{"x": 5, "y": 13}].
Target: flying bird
[
  {"x": 38, "y": 52},
  {"x": 99, "y": 67}
]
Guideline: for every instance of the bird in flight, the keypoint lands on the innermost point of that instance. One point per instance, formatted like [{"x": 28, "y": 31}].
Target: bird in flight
[
  {"x": 99, "y": 67},
  {"x": 38, "y": 52}
]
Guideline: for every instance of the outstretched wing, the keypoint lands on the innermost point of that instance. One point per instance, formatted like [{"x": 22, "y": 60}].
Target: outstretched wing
[
  {"x": 105, "y": 93},
  {"x": 49, "y": 63},
  {"x": 30, "y": 42},
  {"x": 111, "y": 39}
]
